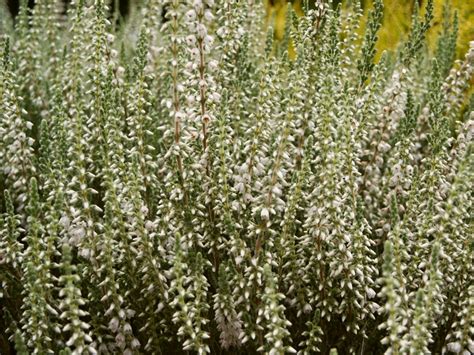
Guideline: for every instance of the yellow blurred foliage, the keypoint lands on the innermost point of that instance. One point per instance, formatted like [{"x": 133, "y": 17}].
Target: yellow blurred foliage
[
  {"x": 276, "y": 15},
  {"x": 396, "y": 23}
]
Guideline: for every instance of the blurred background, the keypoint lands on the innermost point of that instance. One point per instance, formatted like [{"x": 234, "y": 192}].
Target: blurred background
[{"x": 396, "y": 20}]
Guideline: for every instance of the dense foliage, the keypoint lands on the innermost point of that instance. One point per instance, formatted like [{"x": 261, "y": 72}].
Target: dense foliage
[{"x": 178, "y": 183}]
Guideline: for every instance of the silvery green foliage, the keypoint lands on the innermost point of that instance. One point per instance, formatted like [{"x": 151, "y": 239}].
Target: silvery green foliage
[{"x": 181, "y": 182}]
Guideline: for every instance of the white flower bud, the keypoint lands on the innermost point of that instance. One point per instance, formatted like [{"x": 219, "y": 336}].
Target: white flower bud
[
  {"x": 114, "y": 324},
  {"x": 201, "y": 30}
]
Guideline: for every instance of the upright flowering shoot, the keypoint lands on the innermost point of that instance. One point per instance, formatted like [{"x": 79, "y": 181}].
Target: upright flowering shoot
[{"x": 200, "y": 43}]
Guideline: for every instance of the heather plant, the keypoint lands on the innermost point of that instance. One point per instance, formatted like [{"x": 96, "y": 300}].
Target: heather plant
[{"x": 180, "y": 181}]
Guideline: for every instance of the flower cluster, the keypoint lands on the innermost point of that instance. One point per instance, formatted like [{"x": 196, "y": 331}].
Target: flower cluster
[{"x": 180, "y": 181}]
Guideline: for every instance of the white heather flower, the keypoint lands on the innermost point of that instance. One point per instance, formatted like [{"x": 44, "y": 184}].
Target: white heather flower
[
  {"x": 120, "y": 340},
  {"x": 470, "y": 342},
  {"x": 240, "y": 187},
  {"x": 71, "y": 340},
  {"x": 135, "y": 343},
  {"x": 201, "y": 30},
  {"x": 370, "y": 293},
  {"x": 208, "y": 15},
  {"x": 76, "y": 234},
  {"x": 384, "y": 147},
  {"x": 240, "y": 32},
  {"x": 190, "y": 15},
  {"x": 102, "y": 349},
  {"x": 264, "y": 214},
  {"x": 149, "y": 226},
  {"x": 65, "y": 221},
  {"x": 454, "y": 347},
  {"x": 221, "y": 32},
  {"x": 470, "y": 54},
  {"x": 191, "y": 40},
  {"x": 195, "y": 53},
  {"x": 191, "y": 99},
  {"x": 236, "y": 206},
  {"x": 213, "y": 64},
  {"x": 127, "y": 328},
  {"x": 197, "y": 4},
  {"x": 216, "y": 96},
  {"x": 85, "y": 253},
  {"x": 120, "y": 71},
  {"x": 208, "y": 41},
  {"x": 114, "y": 324}
]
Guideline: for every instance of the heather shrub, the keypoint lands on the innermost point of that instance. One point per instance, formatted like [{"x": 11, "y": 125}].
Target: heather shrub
[{"x": 178, "y": 183}]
